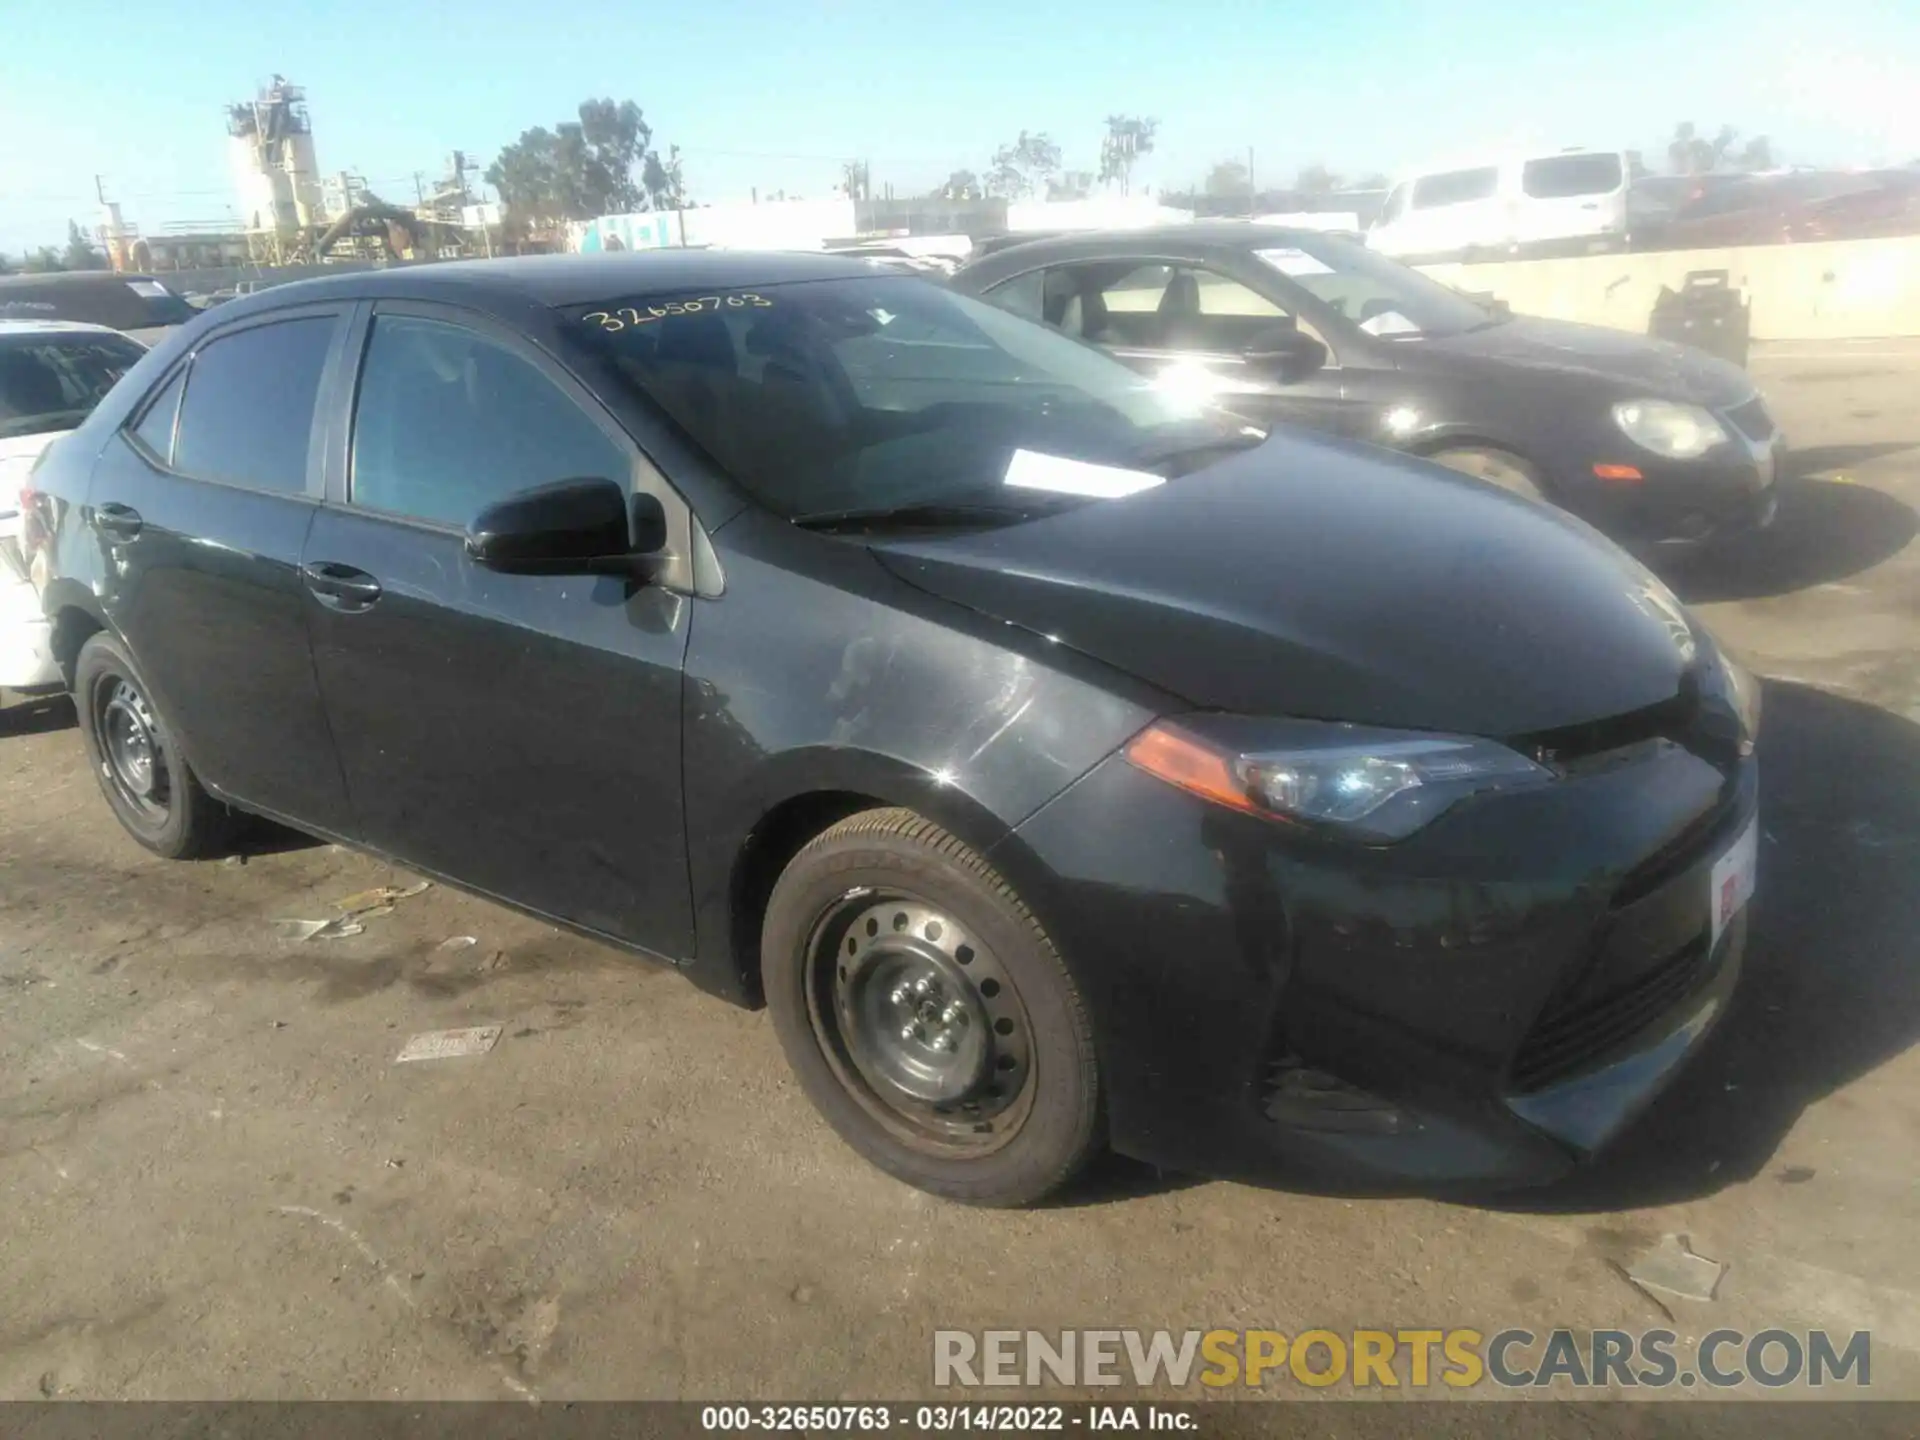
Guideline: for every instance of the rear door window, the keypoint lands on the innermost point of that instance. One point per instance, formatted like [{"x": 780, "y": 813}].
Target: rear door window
[
  {"x": 247, "y": 418},
  {"x": 1158, "y": 306},
  {"x": 1559, "y": 177},
  {"x": 1455, "y": 187}
]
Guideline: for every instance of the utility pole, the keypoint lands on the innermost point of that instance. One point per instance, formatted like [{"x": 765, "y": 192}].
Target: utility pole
[
  {"x": 100, "y": 189},
  {"x": 1253, "y": 190}
]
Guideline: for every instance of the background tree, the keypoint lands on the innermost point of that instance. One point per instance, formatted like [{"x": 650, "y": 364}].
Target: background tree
[
  {"x": 665, "y": 185},
  {"x": 1690, "y": 152},
  {"x": 856, "y": 180},
  {"x": 1024, "y": 166},
  {"x": 1070, "y": 185},
  {"x": 962, "y": 185},
  {"x": 81, "y": 253},
  {"x": 1227, "y": 179},
  {"x": 1128, "y": 138},
  {"x": 579, "y": 169},
  {"x": 1316, "y": 180}
]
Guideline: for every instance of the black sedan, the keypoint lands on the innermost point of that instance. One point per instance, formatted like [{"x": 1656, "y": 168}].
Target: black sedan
[
  {"x": 1062, "y": 764},
  {"x": 1659, "y": 446}
]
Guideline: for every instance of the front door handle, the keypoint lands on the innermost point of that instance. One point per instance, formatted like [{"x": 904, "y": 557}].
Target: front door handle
[
  {"x": 116, "y": 521},
  {"x": 341, "y": 587}
]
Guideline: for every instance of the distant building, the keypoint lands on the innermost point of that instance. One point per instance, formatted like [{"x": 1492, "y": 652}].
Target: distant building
[{"x": 271, "y": 148}]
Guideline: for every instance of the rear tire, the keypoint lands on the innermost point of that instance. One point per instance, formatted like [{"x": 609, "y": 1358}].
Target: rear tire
[
  {"x": 153, "y": 792},
  {"x": 927, "y": 1015},
  {"x": 1497, "y": 467}
]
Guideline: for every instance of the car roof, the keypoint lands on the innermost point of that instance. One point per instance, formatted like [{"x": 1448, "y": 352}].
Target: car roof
[
  {"x": 1200, "y": 237},
  {"x": 558, "y": 280},
  {"x": 9, "y": 328}
]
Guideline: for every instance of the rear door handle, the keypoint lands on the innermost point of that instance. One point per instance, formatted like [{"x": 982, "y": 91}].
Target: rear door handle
[
  {"x": 121, "y": 522},
  {"x": 342, "y": 587}
]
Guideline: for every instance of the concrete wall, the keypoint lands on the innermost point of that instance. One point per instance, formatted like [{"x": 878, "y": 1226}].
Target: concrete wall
[{"x": 1833, "y": 290}]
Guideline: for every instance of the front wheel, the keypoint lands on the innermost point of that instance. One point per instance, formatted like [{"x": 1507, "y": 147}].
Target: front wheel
[
  {"x": 155, "y": 796},
  {"x": 1497, "y": 467},
  {"x": 927, "y": 1015}
]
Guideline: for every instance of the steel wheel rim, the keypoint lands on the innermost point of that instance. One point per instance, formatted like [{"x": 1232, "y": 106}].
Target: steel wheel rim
[
  {"x": 132, "y": 759},
  {"x": 920, "y": 1021}
]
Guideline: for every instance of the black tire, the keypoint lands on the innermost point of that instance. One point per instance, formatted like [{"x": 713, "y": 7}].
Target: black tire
[
  {"x": 1029, "y": 1118},
  {"x": 1510, "y": 472},
  {"x": 173, "y": 816}
]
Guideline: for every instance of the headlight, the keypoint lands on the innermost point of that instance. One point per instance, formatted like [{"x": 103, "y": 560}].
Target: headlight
[
  {"x": 1372, "y": 785},
  {"x": 1679, "y": 432}
]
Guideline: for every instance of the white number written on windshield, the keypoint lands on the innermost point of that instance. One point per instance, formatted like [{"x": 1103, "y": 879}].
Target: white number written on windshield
[{"x": 628, "y": 315}]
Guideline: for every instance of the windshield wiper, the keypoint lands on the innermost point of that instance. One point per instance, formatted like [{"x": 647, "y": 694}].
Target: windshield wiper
[{"x": 927, "y": 512}]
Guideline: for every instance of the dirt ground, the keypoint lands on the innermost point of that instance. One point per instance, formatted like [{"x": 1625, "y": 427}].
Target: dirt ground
[{"x": 219, "y": 1185}]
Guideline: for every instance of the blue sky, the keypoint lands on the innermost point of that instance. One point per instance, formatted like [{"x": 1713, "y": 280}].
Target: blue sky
[{"x": 774, "y": 93}]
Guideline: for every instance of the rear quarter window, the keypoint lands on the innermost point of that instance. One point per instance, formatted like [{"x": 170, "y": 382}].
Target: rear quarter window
[
  {"x": 1455, "y": 187},
  {"x": 1562, "y": 176}
]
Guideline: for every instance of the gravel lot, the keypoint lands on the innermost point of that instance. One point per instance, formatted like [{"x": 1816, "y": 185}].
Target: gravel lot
[{"x": 219, "y": 1184}]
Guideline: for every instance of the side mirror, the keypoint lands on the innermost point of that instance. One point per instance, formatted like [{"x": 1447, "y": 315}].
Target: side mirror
[
  {"x": 572, "y": 527},
  {"x": 1288, "y": 353}
]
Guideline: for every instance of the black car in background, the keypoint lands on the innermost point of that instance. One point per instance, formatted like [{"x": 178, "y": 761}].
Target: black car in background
[
  {"x": 1062, "y": 763},
  {"x": 1659, "y": 446},
  {"x": 136, "y": 305}
]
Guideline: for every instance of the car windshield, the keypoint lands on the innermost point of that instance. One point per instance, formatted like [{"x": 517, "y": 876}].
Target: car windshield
[
  {"x": 836, "y": 400},
  {"x": 54, "y": 383},
  {"x": 1379, "y": 295}
]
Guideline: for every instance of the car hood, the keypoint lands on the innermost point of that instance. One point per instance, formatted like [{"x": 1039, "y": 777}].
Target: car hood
[
  {"x": 1321, "y": 579},
  {"x": 1661, "y": 370}
]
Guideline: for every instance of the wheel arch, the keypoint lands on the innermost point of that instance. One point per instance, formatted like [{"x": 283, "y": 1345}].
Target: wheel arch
[
  {"x": 1438, "y": 442},
  {"x": 809, "y": 792},
  {"x": 76, "y": 617}
]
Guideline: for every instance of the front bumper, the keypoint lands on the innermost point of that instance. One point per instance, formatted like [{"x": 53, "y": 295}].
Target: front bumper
[
  {"x": 1483, "y": 1005},
  {"x": 1685, "y": 505}
]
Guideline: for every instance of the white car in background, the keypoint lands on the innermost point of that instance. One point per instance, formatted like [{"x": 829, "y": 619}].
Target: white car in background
[
  {"x": 52, "y": 374},
  {"x": 1570, "y": 199}
]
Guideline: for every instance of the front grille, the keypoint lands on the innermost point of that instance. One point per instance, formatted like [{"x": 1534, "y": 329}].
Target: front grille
[
  {"x": 1752, "y": 420},
  {"x": 1571, "y": 1035}
]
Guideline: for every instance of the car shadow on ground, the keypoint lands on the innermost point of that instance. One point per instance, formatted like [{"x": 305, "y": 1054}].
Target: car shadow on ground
[
  {"x": 36, "y": 715},
  {"x": 1829, "y": 991},
  {"x": 1826, "y": 530}
]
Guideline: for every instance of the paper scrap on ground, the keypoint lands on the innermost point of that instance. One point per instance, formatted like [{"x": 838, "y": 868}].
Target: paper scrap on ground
[
  {"x": 457, "y": 942},
  {"x": 449, "y": 1044},
  {"x": 1031, "y": 470},
  {"x": 379, "y": 899},
  {"x": 337, "y": 928},
  {"x": 1672, "y": 1266}
]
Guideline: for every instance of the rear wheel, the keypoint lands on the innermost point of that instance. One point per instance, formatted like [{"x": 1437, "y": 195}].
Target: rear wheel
[
  {"x": 153, "y": 792},
  {"x": 1497, "y": 467},
  {"x": 927, "y": 1015}
]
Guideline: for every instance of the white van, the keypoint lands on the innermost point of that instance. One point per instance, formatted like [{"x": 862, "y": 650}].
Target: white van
[{"x": 1500, "y": 205}]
